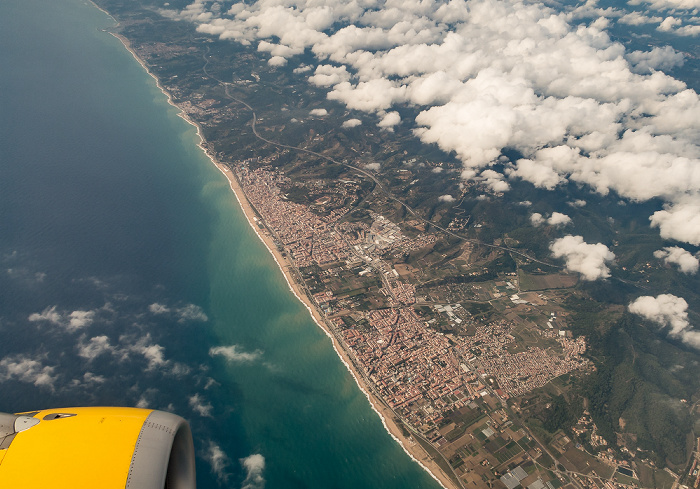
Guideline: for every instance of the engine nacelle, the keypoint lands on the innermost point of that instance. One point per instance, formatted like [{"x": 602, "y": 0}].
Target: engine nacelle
[{"x": 96, "y": 447}]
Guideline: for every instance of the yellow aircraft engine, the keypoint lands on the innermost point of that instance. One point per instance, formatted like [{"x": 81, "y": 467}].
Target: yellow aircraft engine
[{"x": 96, "y": 448}]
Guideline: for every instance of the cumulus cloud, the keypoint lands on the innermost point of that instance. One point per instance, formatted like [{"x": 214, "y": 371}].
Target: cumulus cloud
[
  {"x": 23, "y": 274},
  {"x": 318, "y": 112},
  {"x": 277, "y": 61},
  {"x": 200, "y": 406},
  {"x": 328, "y": 75},
  {"x": 80, "y": 319},
  {"x": 537, "y": 219},
  {"x": 126, "y": 347},
  {"x": 70, "y": 321},
  {"x": 373, "y": 166},
  {"x": 191, "y": 312},
  {"x": 558, "y": 219},
  {"x": 218, "y": 461},
  {"x": 153, "y": 353},
  {"x": 668, "y": 4},
  {"x": 352, "y": 123},
  {"x": 95, "y": 347},
  {"x": 446, "y": 198},
  {"x": 254, "y": 466},
  {"x": 234, "y": 354},
  {"x": 577, "y": 203},
  {"x": 688, "y": 30},
  {"x": 687, "y": 263},
  {"x": 90, "y": 378},
  {"x": 494, "y": 180},
  {"x": 658, "y": 58},
  {"x": 157, "y": 308},
  {"x": 27, "y": 369},
  {"x": 587, "y": 259},
  {"x": 572, "y": 101},
  {"x": 389, "y": 120},
  {"x": 668, "y": 311},
  {"x": 637, "y": 18},
  {"x": 680, "y": 221},
  {"x": 49, "y": 314}
]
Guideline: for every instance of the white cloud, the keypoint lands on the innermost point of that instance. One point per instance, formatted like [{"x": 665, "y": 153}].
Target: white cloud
[
  {"x": 143, "y": 403},
  {"x": 688, "y": 30},
  {"x": 153, "y": 354},
  {"x": 200, "y": 406},
  {"x": 146, "y": 399},
  {"x": 687, "y": 263},
  {"x": 389, "y": 120},
  {"x": 587, "y": 259},
  {"x": 668, "y": 311},
  {"x": 318, "y": 112},
  {"x": 277, "y": 61},
  {"x": 558, "y": 219},
  {"x": 90, "y": 378},
  {"x": 537, "y": 219},
  {"x": 329, "y": 75},
  {"x": 539, "y": 175},
  {"x": 657, "y": 59},
  {"x": 679, "y": 221},
  {"x": 157, "y": 308},
  {"x": 669, "y": 24},
  {"x": 191, "y": 312},
  {"x": 49, "y": 314},
  {"x": 218, "y": 460},
  {"x": 88, "y": 381},
  {"x": 144, "y": 346},
  {"x": 278, "y": 50},
  {"x": 494, "y": 180},
  {"x": 352, "y": 123},
  {"x": 29, "y": 370},
  {"x": 637, "y": 18},
  {"x": 571, "y": 100},
  {"x": 80, "y": 319},
  {"x": 233, "y": 354},
  {"x": 668, "y": 4},
  {"x": 71, "y": 322},
  {"x": 446, "y": 198},
  {"x": 370, "y": 96},
  {"x": 254, "y": 466},
  {"x": 95, "y": 347},
  {"x": 373, "y": 166},
  {"x": 577, "y": 203}
]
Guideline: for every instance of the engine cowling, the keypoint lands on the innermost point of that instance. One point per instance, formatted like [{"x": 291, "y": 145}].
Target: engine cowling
[{"x": 93, "y": 447}]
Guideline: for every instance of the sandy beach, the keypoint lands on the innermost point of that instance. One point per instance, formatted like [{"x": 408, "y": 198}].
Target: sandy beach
[
  {"x": 411, "y": 447},
  {"x": 414, "y": 450}
]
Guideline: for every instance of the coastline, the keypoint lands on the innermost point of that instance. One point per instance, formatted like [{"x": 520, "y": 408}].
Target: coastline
[{"x": 410, "y": 447}]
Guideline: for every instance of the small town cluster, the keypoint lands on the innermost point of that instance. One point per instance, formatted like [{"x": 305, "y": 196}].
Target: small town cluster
[{"x": 448, "y": 389}]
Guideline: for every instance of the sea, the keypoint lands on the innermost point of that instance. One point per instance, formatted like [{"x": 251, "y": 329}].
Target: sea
[{"x": 129, "y": 275}]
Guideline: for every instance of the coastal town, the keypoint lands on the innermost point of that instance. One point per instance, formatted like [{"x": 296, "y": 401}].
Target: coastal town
[{"x": 448, "y": 387}]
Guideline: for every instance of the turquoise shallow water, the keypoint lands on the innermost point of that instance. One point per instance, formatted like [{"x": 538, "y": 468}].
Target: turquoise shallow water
[{"x": 124, "y": 259}]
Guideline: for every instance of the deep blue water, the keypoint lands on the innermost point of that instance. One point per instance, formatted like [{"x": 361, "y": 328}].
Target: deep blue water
[{"x": 124, "y": 259}]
